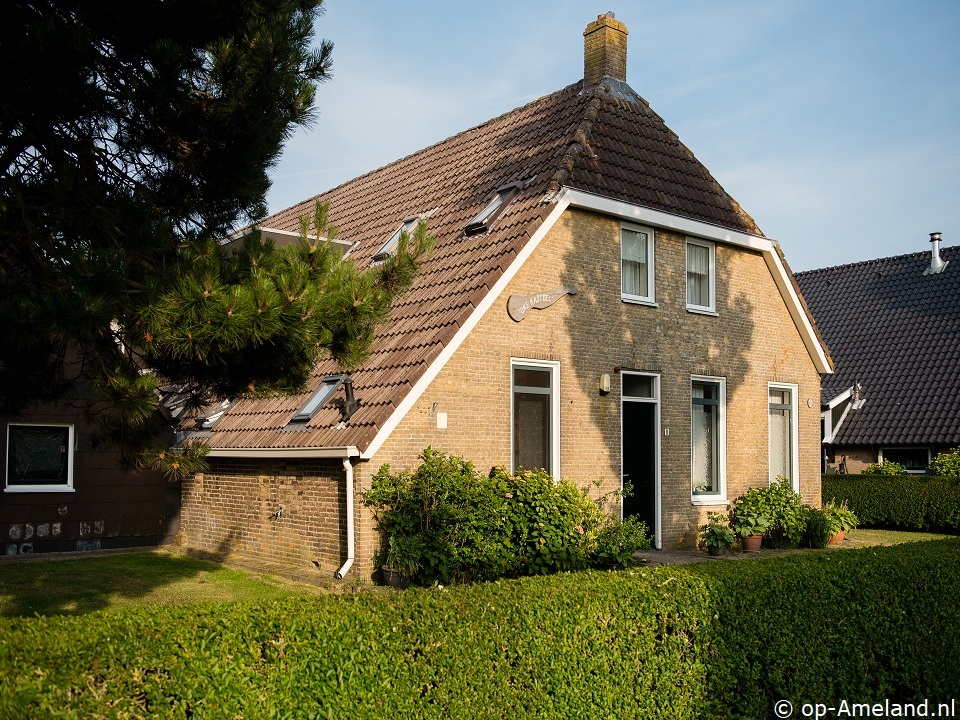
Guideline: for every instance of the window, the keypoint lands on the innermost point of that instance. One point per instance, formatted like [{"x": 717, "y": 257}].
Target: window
[
  {"x": 701, "y": 276},
  {"x": 409, "y": 226},
  {"x": 536, "y": 416},
  {"x": 636, "y": 264},
  {"x": 782, "y": 412},
  {"x": 708, "y": 440},
  {"x": 482, "y": 222},
  {"x": 323, "y": 393},
  {"x": 914, "y": 460},
  {"x": 39, "y": 458}
]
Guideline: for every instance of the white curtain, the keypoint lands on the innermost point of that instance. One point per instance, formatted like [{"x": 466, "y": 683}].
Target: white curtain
[
  {"x": 634, "y": 253},
  {"x": 698, "y": 275}
]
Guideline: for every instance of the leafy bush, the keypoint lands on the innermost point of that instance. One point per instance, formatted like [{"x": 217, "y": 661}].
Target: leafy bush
[
  {"x": 617, "y": 542},
  {"x": 946, "y": 464},
  {"x": 705, "y": 641},
  {"x": 471, "y": 527},
  {"x": 819, "y": 529},
  {"x": 715, "y": 534},
  {"x": 887, "y": 467},
  {"x": 840, "y": 517},
  {"x": 916, "y": 502},
  {"x": 781, "y": 505}
]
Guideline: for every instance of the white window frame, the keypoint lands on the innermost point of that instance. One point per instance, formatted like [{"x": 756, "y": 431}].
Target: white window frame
[
  {"x": 719, "y": 497},
  {"x": 654, "y": 400},
  {"x": 58, "y": 487},
  {"x": 881, "y": 453},
  {"x": 794, "y": 391},
  {"x": 711, "y": 247},
  {"x": 554, "y": 368},
  {"x": 650, "y": 297}
]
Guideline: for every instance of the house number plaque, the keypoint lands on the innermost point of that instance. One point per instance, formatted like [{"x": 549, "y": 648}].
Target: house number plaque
[{"x": 519, "y": 305}]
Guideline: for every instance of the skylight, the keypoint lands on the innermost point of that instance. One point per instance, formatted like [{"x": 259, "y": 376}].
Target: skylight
[
  {"x": 483, "y": 221},
  {"x": 409, "y": 225},
  {"x": 323, "y": 393}
]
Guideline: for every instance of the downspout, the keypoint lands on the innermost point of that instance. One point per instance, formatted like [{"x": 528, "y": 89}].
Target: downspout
[{"x": 348, "y": 468}]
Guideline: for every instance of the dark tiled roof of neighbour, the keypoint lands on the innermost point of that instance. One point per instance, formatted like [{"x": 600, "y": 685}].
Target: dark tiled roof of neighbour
[
  {"x": 578, "y": 138},
  {"x": 895, "y": 331}
]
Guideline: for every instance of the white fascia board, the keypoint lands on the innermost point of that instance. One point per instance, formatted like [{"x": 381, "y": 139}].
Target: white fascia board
[
  {"x": 647, "y": 216},
  {"x": 686, "y": 226},
  {"x": 561, "y": 203},
  {"x": 293, "y": 453},
  {"x": 840, "y": 398}
]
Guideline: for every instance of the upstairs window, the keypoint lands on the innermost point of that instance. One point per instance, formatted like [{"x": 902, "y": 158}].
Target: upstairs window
[
  {"x": 701, "y": 276},
  {"x": 39, "y": 458},
  {"x": 482, "y": 222},
  {"x": 636, "y": 264},
  {"x": 323, "y": 393},
  {"x": 409, "y": 226}
]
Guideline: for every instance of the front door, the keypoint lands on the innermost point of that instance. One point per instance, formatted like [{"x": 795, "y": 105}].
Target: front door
[{"x": 641, "y": 456}]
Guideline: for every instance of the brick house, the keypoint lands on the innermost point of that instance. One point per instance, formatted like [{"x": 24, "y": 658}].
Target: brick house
[
  {"x": 63, "y": 494},
  {"x": 596, "y": 305},
  {"x": 893, "y": 326}
]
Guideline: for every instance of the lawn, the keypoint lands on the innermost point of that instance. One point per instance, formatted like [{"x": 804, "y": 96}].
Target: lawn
[{"x": 77, "y": 586}]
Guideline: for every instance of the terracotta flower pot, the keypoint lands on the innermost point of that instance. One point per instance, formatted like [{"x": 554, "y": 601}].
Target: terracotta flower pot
[
  {"x": 751, "y": 543},
  {"x": 838, "y": 538}
]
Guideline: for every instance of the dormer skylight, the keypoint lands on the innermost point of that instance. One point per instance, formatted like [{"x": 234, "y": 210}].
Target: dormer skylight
[
  {"x": 323, "y": 393},
  {"x": 482, "y": 222}
]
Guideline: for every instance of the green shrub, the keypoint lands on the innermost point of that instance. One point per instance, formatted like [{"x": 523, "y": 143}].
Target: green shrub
[
  {"x": 707, "y": 641},
  {"x": 916, "y": 502},
  {"x": 819, "y": 529},
  {"x": 887, "y": 467},
  {"x": 617, "y": 542},
  {"x": 946, "y": 464},
  {"x": 471, "y": 527},
  {"x": 781, "y": 505}
]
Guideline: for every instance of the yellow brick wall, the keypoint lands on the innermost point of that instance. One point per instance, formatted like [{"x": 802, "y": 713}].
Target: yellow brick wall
[{"x": 751, "y": 342}]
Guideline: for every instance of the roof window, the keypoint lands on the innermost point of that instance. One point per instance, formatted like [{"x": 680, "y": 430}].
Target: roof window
[
  {"x": 482, "y": 222},
  {"x": 323, "y": 393}
]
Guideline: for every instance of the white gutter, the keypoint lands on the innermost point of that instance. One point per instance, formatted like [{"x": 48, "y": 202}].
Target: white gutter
[
  {"x": 345, "y": 451},
  {"x": 348, "y": 468}
]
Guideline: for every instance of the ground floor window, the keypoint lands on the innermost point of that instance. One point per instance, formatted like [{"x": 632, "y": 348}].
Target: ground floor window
[
  {"x": 39, "y": 457},
  {"x": 708, "y": 439},
  {"x": 913, "y": 459},
  {"x": 782, "y": 410},
  {"x": 535, "y": 411}
]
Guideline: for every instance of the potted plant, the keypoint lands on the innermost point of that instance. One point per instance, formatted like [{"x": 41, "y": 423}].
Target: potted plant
[
  {"x": 403, "y": 560},
  {"x": 750, "y": 526},
  {"x": 840, "y": 519},
  {"x": 715, "y": 534}
]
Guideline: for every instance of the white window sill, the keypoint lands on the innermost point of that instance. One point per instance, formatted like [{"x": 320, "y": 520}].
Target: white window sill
[
  {"x": 708, "y": 501},
  {"x": 696, "y": 309},
  {"x": 638, "y": 301},
  {"x": 38, "y": 489}
]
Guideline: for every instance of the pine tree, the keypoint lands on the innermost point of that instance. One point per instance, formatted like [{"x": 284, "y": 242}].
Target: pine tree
[{"x": 134, "y": 137}]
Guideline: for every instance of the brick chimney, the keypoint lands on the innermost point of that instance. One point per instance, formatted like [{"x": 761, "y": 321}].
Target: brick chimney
[{"x": 604, "y": 50}]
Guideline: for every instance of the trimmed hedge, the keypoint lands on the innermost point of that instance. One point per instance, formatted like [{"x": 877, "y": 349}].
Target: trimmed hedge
[
  {"x": 710, "y": 640},
  {"x": 919, "y": 502}
]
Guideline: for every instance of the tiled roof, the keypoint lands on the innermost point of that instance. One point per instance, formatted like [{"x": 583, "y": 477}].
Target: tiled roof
[
  {"x": 584, "y": 139},
  {"x": 895, "y": 331}
]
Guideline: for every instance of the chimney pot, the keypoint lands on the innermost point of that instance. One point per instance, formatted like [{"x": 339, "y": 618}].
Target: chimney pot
[
  {"x": 604, "y": 50},
  {"x": 936, "y": 263}
]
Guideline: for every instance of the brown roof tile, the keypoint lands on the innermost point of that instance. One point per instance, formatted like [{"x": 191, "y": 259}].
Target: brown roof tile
[{"x": 576, "y": 137}]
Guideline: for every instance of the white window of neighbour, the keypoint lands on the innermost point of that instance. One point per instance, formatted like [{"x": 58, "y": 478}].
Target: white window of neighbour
[
  {"x": 701, "y": 276},
  {"x": 39, "y": 458},
  {"x": 535, "y": 415},
  {"x": 913, "y": 459},
  {"x": 784, "y": 455},
  {"x": 708, "y": 440},
  {"x": 636, "y": 264}
]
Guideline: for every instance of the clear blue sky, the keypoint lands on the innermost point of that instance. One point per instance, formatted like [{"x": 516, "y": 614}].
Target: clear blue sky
[{"x": 835, "y": 124}]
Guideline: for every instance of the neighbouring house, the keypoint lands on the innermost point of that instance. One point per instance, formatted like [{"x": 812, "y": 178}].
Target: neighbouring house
[
  {"x": 893, "y": 328},
  {"x": 62, "y": 494},
  {"x": 596, "y": 305}
]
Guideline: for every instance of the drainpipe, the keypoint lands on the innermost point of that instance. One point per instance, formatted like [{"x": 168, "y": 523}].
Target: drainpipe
[{"x": 348, "y": 468}]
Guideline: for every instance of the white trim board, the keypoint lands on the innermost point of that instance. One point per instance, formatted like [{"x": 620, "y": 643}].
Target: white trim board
[{"x": 291, "y": 452}]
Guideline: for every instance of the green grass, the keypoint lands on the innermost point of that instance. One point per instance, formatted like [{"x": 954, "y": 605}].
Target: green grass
[
  {"x": 863, "y": 537},
  {"x": 84, "y": 585}
]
